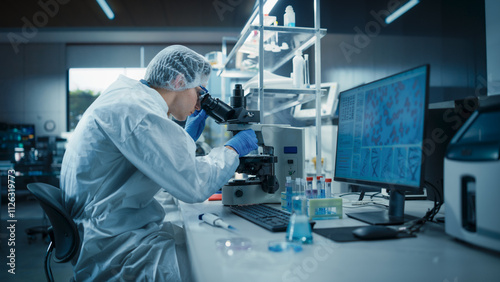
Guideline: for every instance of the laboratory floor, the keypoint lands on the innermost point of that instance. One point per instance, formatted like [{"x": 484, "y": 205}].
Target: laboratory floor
[{"x": 29, "y": 256}]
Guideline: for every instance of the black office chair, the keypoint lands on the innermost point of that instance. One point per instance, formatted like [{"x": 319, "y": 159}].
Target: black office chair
[{"x": 64, "y": 237}]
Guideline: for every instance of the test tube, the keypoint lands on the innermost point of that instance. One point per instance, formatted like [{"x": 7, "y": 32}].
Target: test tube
[
  {"x": 288, "y": 193},
  {"x": 309, "y": 188},
  {"x": 298, "y": 187},
  {"x": 322, "y": 192},
  {"x": 318, "y": 186},
  {"x": 328, "y": 188},
  {"x": 304, "y": 187}
]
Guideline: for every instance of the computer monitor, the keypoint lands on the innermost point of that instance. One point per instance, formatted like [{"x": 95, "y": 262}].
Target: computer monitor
[
  {"x": 16, "y": 136},
  {"x": 23, "y": 135},
  {"x": 328, "y": 103},
  {"x": 381, "y": 137}
]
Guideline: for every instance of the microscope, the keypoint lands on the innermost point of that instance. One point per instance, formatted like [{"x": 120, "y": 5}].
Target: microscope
[{"x": 280, "y": 153}]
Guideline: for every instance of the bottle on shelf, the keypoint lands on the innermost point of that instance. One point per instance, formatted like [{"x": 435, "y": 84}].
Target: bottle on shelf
[
  {"x": 269, "y": 20},
  {"x": 306, "y": 71},
  {"x": 298, "y": 70},
  {"x": 289, "y": 17}
]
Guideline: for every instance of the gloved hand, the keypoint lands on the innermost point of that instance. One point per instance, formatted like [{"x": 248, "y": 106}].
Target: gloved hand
[
  {"x": 195, "y": 124},
  {"x": 244, "y": 142}
]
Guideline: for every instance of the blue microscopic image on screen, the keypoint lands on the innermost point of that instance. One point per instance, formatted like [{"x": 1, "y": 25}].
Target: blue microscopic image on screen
[
  {"x": 392, "y": 113},
  {"x": 365, "y": 163},
  {"x": 386, "y": 157},
  {"x": 400, "y": 164},
  {"x": 381, "y": 129}
]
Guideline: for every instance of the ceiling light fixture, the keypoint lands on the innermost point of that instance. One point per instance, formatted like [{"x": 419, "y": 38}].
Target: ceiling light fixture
[
  {"x": 107, "y": 10},
  {"x": 403, "y": 9}
]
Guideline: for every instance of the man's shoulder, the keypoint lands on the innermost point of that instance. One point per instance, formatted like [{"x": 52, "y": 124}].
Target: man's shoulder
[{"x": 124, "y": 97}]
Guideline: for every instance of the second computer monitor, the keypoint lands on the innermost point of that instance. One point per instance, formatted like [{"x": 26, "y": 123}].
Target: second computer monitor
[{"x": 381, "y": 134}]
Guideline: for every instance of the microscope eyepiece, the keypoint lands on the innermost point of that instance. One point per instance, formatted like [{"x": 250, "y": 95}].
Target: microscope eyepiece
[
  {"x": 222, "y": 112},
  {"x": 215, "y": 108},
  {"x": 238, "y": 98}
]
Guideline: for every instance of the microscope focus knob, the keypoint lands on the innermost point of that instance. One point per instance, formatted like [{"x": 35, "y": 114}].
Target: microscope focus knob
[{"x": 238, "y": 193}]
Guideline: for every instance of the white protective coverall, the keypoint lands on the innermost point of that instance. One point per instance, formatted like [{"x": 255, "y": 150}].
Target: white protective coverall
[{"x": 123, "y": 151}]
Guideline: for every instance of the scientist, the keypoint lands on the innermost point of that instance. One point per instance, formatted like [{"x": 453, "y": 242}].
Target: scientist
[{"x": 124, "y": 150}]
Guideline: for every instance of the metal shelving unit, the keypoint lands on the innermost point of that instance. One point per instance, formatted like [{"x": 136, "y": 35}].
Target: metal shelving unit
[
  {"x": 288, "y": 98},
  {"x": 278, "y": 46}
]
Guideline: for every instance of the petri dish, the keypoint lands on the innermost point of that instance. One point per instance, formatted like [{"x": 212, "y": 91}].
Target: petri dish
[
  {"x": 233, "y": 246},
  {"x": 283, "y": 246}
]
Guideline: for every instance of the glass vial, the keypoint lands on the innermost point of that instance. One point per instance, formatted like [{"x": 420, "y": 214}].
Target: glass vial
[
  {"x": 309, "y": 187},
  {"x": 328, "y": 188},
  {"x": 288, "y": 193},
  {"x": 299, "y": 229}
]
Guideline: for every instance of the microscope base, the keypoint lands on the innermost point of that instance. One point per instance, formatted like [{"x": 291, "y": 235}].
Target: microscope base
[{"x": 247, "y": 195}]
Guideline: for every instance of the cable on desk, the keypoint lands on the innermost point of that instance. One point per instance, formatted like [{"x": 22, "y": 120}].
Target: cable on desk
[
  {"x": 363, "y": 203},
  {"x": 349, "y": 193},
  {"x": 361, "y": 196},
  {"x": 374, "y": 195},
  {"x": 430, "y": 214}
]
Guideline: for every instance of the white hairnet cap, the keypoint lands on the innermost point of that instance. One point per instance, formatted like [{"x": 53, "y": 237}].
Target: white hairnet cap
[{"x": 177, "y": 68}]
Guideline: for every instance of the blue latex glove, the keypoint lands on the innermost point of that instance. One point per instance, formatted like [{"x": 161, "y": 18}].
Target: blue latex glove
[
  {"x": 195, "y": 124},
  {"x": 244, "y": 142}
]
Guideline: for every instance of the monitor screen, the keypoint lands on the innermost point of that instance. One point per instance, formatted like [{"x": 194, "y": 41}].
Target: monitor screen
[
  {"x": 14, "y": 136},
  {"x": 381, "y": 132},
  {"x": 312, "y": 104},
  {"x": 307, "y": 110}
]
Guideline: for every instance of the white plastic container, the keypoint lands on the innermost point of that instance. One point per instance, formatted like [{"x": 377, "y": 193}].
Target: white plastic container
[
  {"x": 306, "y": 71},
  {"x": 289, "y": 17},
  {"x": 269, "y": 20},
  {"x": 298, "y": 70}
]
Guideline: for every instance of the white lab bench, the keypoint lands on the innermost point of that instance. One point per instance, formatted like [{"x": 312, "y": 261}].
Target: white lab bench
[{"x": 431, "y": 256}]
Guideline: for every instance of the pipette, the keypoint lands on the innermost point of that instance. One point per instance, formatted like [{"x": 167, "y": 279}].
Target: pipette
[{"x": 214, "y": 220}]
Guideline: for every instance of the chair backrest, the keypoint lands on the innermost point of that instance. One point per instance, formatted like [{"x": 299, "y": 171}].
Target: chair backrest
[{"x": 66, "y": 238}]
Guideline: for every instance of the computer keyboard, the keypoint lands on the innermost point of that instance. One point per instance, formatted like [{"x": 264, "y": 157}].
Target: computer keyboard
[{"x": 267, "y": 217}]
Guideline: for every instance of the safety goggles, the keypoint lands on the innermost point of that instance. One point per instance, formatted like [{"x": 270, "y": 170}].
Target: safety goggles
[{"x": 201, "y": 94}]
